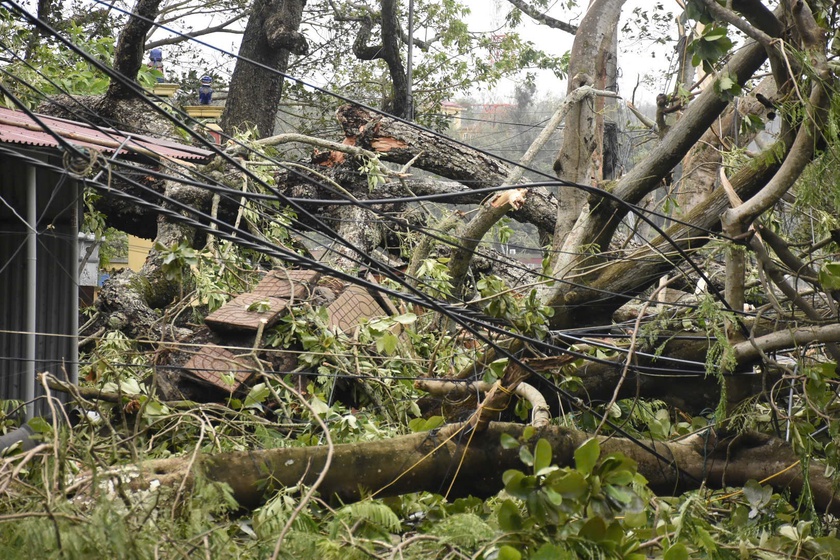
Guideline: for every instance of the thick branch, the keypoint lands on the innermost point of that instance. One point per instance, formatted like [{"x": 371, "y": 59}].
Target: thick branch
[
  {"x": 398, "y": 142},
  {"x": 540, "y": 415},
  {"x": 590, "y": 306},
  {"x": 598, "y": 225},
  {"x": 489, "y": 214},
  {"x": 723, "y": 14},
  {"x": 382, "y": 466},
  {"x": 751, "y": 350},
  {"x": 800, "y": 156},
  {"x": 177, "y": 39},
  {"x": 128, "y": 55}
]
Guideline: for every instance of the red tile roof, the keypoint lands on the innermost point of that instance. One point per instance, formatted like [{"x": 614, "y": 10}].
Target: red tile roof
[{"x": 18, "y": 128}]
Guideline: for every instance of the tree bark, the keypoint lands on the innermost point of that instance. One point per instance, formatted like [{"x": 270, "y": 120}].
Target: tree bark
[
  {"x": 270, "y": 38},
  {"x": 617, "y": 283},
  {"x": 590, "y": 59},
  {"x": 596, "y": 227},
  {"x": 128, "y": 55},
  {"x": 396, "y": 142},
  {"x": 389, "y": 51},
  {"x": 424, "y": 462}
]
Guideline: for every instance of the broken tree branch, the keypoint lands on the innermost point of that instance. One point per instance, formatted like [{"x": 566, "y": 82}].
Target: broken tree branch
[
  {"x": 423, "y": 461},
  {"x": 540, "y": 414}
]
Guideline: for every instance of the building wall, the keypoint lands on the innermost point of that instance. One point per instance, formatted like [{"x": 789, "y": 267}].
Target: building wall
[
  {"x": 138, "y": 250},
  {"x": 56, "y": 280}
]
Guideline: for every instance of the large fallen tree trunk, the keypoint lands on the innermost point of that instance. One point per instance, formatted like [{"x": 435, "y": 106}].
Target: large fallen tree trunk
[
  {"x": 399, "y": 142},
  {"x": 427, "y": 461}
]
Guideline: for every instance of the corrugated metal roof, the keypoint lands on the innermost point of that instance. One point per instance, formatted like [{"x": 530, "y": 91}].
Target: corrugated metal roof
[{"x": 18, "y": 128}]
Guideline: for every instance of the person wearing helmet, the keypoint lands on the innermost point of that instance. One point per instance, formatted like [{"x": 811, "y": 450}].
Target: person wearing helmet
[
  {"x": 156, "y": 62},
  {"x": 205, "y": 91}
]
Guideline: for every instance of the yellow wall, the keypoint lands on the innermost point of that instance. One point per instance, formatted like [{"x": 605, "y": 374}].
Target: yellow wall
[{"x": 138, "y": 250}]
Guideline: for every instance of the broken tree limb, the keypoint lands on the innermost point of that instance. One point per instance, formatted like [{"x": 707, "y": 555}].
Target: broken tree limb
[
  {"x": 781, "y": 340},
  {"x": 499, "y": 205},
  {"x": 304, "y": 139},
  {"x": 398, "y": 142},
  {"x": 641, "y": 116},
  {"x": 588, "y": 305},
  {"x": 596, "y": 227},
  {"x": 800, "y": 156},
  {"x": 424, "y": 462},
  {"x": 471, "y": 235},
  {"x": 498, "y": 397},
  {"x": 540, "y": 412}
]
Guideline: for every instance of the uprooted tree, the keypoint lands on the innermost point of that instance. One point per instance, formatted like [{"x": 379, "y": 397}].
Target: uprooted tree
[{"x": 616, "y": 324}]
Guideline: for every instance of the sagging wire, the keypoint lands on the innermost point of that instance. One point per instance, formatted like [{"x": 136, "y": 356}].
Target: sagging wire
[
  {"x": 130, "y": 84},
  {"x": 481, "y": 319},
  {"x": 435, "y": 305},
  {"x": 368, "y": 257},
  {"x": 460, "y": 320}
]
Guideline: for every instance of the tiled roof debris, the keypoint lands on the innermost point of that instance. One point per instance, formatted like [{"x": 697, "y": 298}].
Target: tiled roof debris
[
  {"x": 16, "y": 127},
  {"x": 268, "y": 302}
]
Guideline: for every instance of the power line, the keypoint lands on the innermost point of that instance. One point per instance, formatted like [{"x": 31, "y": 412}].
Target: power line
[{"x": 459, "y": 317}]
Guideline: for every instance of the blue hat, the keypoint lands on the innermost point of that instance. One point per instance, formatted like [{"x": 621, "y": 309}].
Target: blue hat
[
  {"x": 156, "y": 54},
  {"x": 206, "y": 79}
]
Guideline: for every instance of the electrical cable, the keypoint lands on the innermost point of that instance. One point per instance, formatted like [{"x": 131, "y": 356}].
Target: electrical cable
[{"x": 454, "y": 317}]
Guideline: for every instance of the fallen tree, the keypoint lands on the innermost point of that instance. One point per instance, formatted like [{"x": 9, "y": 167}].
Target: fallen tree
[{"x": 423, "y": 461}]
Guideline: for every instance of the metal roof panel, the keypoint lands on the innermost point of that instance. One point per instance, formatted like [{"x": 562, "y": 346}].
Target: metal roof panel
[{"x": 16, "y": 127}]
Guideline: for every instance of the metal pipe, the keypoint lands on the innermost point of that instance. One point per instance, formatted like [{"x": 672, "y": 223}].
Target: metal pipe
[
  {"x": 73, "y": 361},
  {"x": 31, "y": 290},
  {"x": 410, "y": 63}
]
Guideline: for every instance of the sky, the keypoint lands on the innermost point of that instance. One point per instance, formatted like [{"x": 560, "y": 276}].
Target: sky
[
  {"x": 488, "y": 16},
  {"x": 635, "y": 60}
]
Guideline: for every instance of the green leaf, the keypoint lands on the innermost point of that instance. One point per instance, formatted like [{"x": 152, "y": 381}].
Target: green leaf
[
  {"x": 257, "y": 395},
  {"x": 830, "y": 276},
  {"x": 39, "y": 425},
  {"x": 550, "y": 551},
  {"x": 620, "y": 494},
  {"x": 676, "y": 552},
  {"x": 387, "y": 343},
  {"x": 405, "y": 319},
  {"x": 570, "y": 485},
  {"x": 517, "y": 484},
  {"x": 155, "y": 408},
  {"x": 542, "y": 455},
  {"x": 714, "y": 34},
  {"x": 595, "y": 529},
  {"x": 756, "y": 494},
  {"x": 509, "y": 442},
  {"x": 634, "y": 520},
  {"x": 587, "y": 455},
  {"x": 508, "y": 516},
  {"x": 508, "y": 553},
  {"x": 706, "y": 540},
  {"x": 525, "y": 456}
]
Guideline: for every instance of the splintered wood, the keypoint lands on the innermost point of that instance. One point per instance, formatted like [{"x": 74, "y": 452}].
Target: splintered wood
[{"x": 514, "y": 197}]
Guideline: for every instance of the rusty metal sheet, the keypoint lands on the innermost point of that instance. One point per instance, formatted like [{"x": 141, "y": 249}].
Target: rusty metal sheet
[
  {"x": 351, "y": 307},
  {"x": 18, "y": 128},
  {"x": 235, "y": 314},
  {"x": 213, "y": 362}
]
